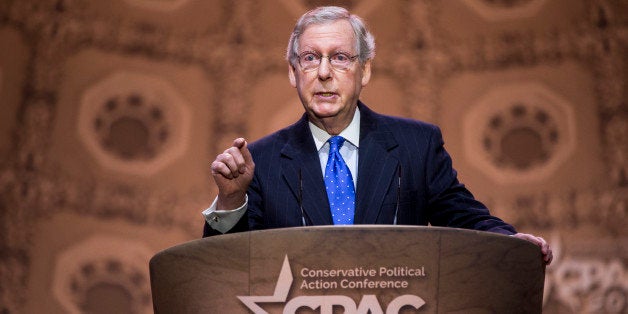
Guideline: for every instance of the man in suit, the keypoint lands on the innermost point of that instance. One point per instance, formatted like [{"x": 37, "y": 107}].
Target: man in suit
[{"x": 393, "y": 170}]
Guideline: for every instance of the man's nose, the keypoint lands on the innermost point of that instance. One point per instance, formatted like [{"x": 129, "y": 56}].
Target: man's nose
[{"x": 324, "y": 69}]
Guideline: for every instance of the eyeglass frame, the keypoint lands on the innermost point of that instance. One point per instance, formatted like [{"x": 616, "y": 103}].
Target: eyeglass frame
[{"x": 329, "y": 58}]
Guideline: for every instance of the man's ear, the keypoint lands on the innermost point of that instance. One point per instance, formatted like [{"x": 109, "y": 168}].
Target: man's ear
[
  {"x": 291, "y": 75},
  {"x": 366, "y": 72}
]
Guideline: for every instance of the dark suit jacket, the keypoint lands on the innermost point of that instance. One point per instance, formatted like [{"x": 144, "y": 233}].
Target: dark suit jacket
[{"x": 400, "y": 162}]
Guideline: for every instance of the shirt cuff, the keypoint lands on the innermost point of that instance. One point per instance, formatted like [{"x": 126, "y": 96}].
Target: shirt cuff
[{"x": 224, "y": 220}]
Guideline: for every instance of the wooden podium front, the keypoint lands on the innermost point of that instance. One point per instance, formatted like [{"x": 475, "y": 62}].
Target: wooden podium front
[{"x": 350, "y": 269}]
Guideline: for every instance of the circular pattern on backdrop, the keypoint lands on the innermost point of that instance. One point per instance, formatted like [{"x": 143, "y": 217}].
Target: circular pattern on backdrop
[
  {"x": 134, "y": 123},
  {"x": 502, "y": 10},
  {"x": 519, "y": 132},
  {"x": 123, "y": 115},
  {"x": 103, "y": 274},
  {"x": 521, "y": 136}
]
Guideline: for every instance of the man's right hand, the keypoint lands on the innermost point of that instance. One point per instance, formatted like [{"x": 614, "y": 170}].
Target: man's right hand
[{"x": 233, "y": 171}]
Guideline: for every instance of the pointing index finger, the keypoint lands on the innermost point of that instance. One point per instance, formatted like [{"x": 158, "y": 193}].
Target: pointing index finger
[
  {"x": 242, "y": 145},
  {"x": 239, "y": 142}
]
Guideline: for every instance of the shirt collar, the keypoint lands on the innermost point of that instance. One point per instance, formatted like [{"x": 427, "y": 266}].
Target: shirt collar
[{"x": 351, "y": 133}]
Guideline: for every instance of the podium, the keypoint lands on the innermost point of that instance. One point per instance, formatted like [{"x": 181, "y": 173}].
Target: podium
[{"x": 350, "y": 269}]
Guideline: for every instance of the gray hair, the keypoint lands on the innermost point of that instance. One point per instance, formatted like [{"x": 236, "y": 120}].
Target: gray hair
[{"x": 365, "y": 42}]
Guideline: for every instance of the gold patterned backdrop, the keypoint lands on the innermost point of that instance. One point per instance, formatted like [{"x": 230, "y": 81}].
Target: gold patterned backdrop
[{"x": 111, "y": 112}]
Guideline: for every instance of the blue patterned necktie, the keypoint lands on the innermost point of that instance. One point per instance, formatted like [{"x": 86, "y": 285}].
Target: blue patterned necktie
[{"x": 339, "y": 184}]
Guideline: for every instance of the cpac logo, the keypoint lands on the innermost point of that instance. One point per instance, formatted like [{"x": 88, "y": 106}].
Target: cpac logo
[{"x": 368, "y": 304}]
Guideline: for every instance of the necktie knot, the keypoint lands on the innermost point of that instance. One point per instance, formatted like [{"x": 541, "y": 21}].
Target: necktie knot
[{"x": 335, "y": 142}]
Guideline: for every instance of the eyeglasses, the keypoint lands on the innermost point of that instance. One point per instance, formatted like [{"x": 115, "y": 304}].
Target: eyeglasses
[{"x": 340, "y": 61}]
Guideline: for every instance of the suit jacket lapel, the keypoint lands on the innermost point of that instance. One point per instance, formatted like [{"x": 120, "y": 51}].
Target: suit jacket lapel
[
  {"x": 299, "y": 155},
  {"x": 377, "y": 167}
]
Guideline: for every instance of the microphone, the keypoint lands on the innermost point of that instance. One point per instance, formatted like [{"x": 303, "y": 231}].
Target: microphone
[
  {"x": 398, "y": 193},
  {"x": 300, "y": 198}
]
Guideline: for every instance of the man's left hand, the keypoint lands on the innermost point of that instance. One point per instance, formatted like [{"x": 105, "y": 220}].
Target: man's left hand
[{"x": 545, "y": 248}]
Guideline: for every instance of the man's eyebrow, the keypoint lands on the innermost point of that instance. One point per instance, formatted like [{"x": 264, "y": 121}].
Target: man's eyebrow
[
  {"x": 342, "y": 51},
  {"x": 333, "y": 52}
]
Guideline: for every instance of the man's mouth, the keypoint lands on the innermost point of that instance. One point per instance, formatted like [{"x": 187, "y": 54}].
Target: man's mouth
[{"x": 326, "y": 94}]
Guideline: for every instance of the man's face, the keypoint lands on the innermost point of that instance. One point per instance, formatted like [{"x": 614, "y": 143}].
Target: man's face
[{"x": 330, "y": 96}]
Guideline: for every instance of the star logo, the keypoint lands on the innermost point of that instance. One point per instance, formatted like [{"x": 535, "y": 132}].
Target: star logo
[{"x": 281, "y": 291}]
